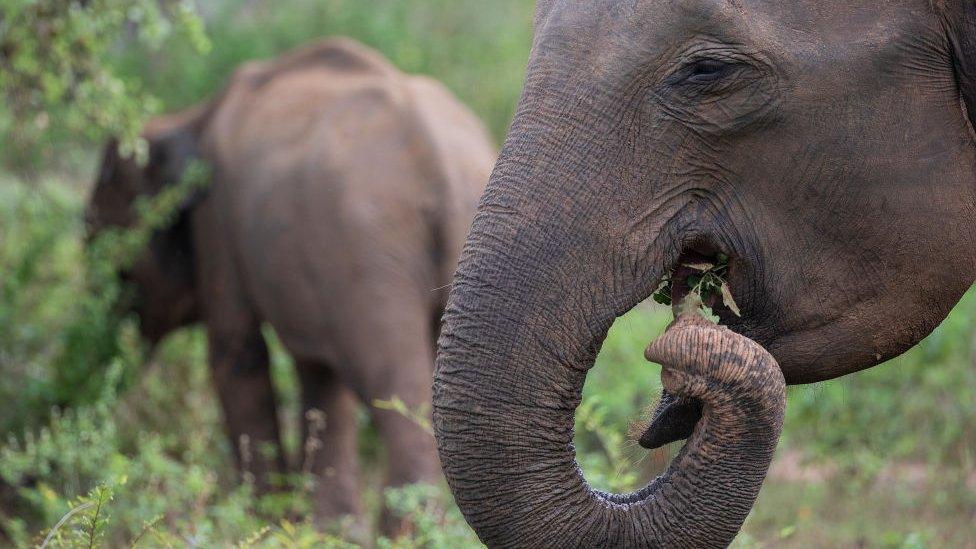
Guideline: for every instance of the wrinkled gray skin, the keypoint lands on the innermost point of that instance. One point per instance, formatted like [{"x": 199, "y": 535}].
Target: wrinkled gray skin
[
  {"x": 823, "y": 145},
  {"x": 342, "y": 192}
]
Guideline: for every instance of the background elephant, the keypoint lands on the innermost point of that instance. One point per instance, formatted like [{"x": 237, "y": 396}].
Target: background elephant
[
  {"x": 824, "y": 147},
  {"x": 341, "y": 193}
]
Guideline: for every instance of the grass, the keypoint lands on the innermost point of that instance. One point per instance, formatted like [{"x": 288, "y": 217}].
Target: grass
[{"x": 883, "y": 458}]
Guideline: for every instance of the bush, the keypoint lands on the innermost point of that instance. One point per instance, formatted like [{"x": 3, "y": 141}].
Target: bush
[{"x": 55, "y": 75}]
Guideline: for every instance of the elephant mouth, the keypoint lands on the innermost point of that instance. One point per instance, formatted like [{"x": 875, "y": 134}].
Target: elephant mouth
[
  {"x": 675, "y": 418},
  {"x": 688, "y": 266}
]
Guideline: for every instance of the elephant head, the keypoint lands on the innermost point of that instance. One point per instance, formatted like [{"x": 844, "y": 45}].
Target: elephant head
[
  {"x": 162, "y": 276},
  {"x": 824, "y": 147}
]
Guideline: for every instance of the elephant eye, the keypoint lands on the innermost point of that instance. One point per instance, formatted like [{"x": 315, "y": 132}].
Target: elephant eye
[{"x": 706, "y": 71}]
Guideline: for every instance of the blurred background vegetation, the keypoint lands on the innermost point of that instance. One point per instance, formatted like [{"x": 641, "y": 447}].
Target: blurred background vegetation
[{"x": 104, "y": 442}]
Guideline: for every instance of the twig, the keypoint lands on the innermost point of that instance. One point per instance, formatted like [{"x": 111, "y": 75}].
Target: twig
[{"x": 67, "y": 516}]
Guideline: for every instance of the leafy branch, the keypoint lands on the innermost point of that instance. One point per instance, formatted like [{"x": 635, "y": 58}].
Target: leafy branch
[
  {"x": 57, "y": 73},
  {"x": 707, "y": 285}
]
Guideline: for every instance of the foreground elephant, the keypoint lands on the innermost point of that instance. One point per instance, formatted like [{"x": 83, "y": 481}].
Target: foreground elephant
[
  {"x": 341, "y": 194},
  {"x": 824, "y": 147}
]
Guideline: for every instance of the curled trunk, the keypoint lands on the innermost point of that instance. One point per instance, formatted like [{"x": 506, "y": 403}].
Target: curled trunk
[{"x": 511, "y": 462}]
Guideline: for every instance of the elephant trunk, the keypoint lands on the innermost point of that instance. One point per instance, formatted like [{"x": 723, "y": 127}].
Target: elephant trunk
[{"x": 529, "y": 309}]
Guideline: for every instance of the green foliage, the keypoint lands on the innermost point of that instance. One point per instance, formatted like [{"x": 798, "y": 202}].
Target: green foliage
[
  {"x": 622, "y": 380},
  {"x": 84, "y": 525},
  {"x": 434, "y": 521},
  {"x": 605, "y": 464},
  {"x": 38, "y": 263},
  {"x": 61, "y": 298},
  {"x": 477, "y": 48},
  {"x": 55, "y": 72},
  {"x": 706, "y": 285},
  {"x": 157, "y": 448},
  {"x": 164, "y": 486},
  {"x": 96, "y": 337}
]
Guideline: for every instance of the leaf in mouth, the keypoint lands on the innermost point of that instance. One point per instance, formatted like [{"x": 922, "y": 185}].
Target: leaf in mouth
[
  {"x": 663, "y": 293},
  {"x": 708, "y": 282}
]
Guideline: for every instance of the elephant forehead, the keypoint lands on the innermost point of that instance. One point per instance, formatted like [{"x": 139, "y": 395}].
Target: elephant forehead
[
  {"x": 655, "y": 27},
  {"x": 646, "y": 23}
]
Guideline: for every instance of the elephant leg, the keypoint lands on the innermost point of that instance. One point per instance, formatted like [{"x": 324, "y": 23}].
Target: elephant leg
[
  {"x": 241, "y": 373},
  {"x": 394, "y": 360},
  {"x": 330, "y": 449},
  {"x": 239, "y": 361}
]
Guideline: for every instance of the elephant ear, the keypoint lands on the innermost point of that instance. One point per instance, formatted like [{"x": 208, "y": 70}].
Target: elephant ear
[
  {"x": 961, "y": 16},
  {"x": 172, "y": 148},
  {"x": 170, "y": 153}
]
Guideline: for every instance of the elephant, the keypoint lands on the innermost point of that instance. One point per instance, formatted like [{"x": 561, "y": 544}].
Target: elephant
[
  {"x": 825, "y": 148},
  {"x": 341, "y": 193}
]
